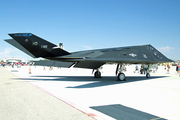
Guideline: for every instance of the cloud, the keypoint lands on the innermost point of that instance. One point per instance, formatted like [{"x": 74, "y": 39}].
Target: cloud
[
  {"x": 5, "y": 53},
  {"x": 8, "y": 52},
  {"x": 166, "y": 49}
]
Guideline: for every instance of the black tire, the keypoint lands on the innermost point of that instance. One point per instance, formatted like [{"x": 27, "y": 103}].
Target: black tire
[
  {"x": 148, "y": 75},
  {"x": 121, "y": 77},
  {"x": 97, "y": 74}
]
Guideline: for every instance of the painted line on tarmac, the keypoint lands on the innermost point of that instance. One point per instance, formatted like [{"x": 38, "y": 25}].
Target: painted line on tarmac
[{"x": 94, "y": 114}]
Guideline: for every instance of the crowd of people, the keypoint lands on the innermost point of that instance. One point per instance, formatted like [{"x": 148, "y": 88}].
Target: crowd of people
[
  {"x": 17, "y": 64},
  {"x": 143, "y": 69}
]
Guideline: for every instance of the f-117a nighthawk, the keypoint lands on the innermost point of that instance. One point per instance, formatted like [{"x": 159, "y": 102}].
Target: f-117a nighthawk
[{"x": 92, "y": 59}]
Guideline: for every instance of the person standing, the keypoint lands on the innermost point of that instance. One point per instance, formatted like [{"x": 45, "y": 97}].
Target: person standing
[
  {"x": 178, "y": 69},
  {"x": 136, "y": 69},
  {"x": 168, "y": 68}
]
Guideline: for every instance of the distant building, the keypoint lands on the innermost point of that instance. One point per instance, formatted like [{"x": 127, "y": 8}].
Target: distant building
[{"x": 13, "y": 60}]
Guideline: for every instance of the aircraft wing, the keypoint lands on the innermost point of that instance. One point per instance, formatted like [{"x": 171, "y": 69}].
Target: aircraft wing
[
  {"x": 93, "y": 59},
  {"x": 142, "y": 54}
]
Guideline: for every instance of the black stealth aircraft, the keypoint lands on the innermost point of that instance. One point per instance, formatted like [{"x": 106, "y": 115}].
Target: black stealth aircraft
[{"x": 92, "y": 59}]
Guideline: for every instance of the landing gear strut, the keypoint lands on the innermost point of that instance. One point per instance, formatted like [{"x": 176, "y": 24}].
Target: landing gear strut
[
  {"x": 147, "y": 73},
  {"x": 121, "y": 76}
]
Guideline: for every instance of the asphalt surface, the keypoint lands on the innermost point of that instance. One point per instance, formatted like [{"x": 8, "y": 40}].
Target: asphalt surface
[
  {"x": 137, "y": 98},
  {"x": 20, "y": 100}
]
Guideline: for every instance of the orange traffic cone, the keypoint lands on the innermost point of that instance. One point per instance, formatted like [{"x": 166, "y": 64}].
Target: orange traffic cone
[{"x": 29, "y": 69}]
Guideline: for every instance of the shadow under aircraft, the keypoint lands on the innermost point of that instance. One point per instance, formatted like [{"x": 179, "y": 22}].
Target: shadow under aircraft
[{"x": 105, "y": 81}]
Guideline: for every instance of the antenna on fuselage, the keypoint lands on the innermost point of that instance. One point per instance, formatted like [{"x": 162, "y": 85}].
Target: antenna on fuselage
[{"x": 61, "y": 45}]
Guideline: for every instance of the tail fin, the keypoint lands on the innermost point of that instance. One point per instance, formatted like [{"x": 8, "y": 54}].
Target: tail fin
[{"x": 37, "y": 46}]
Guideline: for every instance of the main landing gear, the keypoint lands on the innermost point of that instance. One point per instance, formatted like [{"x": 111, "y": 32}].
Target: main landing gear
[
  {"x": 148, "y": 75},
  {"x": 147, "y": 72},
  {"x": 97, "y": 74},
  {"x": 119, "y": 73},
  {"x": 121, "y": 77}
]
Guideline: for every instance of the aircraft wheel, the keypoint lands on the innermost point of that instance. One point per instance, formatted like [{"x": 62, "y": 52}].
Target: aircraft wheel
[
  {"x": 97, "y": 74},
  {"x": 121, "y": 77},
  {"x": 148, "y": 75}
]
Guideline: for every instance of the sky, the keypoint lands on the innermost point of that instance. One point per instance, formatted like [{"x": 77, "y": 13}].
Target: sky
[{"x": 93, "y": 24}]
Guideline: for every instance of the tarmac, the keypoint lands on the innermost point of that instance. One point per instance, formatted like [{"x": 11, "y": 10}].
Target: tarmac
[
  {"x": 71, "y": 93},
  {"x": 20, "y": 100}
]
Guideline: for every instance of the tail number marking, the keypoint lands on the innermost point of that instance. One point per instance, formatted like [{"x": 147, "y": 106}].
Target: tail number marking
[
  {"x": 44, "y": 46},
  {"x": 35, "y": 43}
]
